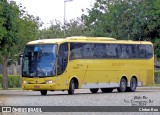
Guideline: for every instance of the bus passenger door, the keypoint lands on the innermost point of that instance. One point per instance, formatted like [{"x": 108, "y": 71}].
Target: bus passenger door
[{"x": 62, "y": 64}]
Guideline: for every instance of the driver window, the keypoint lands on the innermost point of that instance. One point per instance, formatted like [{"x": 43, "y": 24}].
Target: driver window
[{"x": 62, "y": 58}]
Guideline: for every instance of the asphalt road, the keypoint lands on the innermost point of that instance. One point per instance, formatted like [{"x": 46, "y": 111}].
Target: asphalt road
[{"x": 82, "y": 97}]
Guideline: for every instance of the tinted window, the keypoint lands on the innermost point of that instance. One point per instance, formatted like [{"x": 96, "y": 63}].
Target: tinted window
[
  {"x": 111, "y": 50},
  {"x": 149, "y": 52},
  {"x": 76, "y": 50},
  {"x": 87, "y": 51},
  {"x": 34, "y": 60},
  {"x": 62, "y": 58},
  {"x": 121, "y": 51},
  {"x": 100, "y": 51}
]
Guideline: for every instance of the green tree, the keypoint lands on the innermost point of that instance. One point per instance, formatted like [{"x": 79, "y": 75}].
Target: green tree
[
  {"x": 95, "y": 21},
  {"x": 17, "y": 28},
  {"x": 75, "y": 28},
  {"x": 124, "y": 19},
  {"x": 56, "y": 30},
  {"x": 9, "y": 13},
  {"x": 2, "y": 20}
]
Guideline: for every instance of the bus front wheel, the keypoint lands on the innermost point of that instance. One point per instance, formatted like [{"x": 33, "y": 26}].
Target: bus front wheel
[
  {"x": 123, "y": 85},
  {"x": 95, "y": 90},
  {"x": 43, "y": 92},
  {"x": 71, "y": 87}
]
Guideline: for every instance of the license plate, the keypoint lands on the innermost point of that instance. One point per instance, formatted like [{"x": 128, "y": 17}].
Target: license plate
[{"x": 36, "y": 87}]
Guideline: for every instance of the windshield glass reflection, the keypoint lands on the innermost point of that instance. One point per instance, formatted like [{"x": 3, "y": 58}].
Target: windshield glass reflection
[{"x": 39, "y": 60}]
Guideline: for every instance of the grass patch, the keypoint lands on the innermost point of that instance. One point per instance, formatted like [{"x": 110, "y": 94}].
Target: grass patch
[
  {"x": 11, "y": 88},
  {"x": 156, "y": 70},
  {"x": 156, "y": 85}
]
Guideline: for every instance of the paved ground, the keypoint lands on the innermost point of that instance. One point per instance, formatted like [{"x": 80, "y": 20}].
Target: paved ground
[{"x": 146, "y": 96}]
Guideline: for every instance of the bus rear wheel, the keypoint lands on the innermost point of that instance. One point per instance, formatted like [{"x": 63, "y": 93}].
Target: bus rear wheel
[
  {"x": 123, "y": 85},
  {"x": 71, "y": 87},
  {"x": 133, "y": 85},
  {"x": 106, "y": 90},
  {"x": 43, "y": 92},
  {"x": 95, "y": 90}
]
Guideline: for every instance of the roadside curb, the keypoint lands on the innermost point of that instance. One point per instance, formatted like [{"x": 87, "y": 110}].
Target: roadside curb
[{"x": 148, "y": 88}]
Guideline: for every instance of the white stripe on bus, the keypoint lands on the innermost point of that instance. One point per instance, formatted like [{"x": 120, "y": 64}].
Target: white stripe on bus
[{"x": 104, "y": 85}]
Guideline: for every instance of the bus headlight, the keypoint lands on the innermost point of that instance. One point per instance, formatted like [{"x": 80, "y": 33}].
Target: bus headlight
[
  {"x": 25, "y": 82},
  {"x": 49, "y": 82}
]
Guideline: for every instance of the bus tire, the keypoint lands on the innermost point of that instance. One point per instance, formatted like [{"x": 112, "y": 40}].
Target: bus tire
[
  {"x": 71, "y": 87},
  {"x": 133, "y": 85},
  {"x": 95, "y": 90},
  {"x": 123, "y": 85},
  {"x": 106, "y": 90},
  {"x": 43, "y": 92}
]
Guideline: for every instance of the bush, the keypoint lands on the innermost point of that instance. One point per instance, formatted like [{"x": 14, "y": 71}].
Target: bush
[
  {"x": 157, "y": 77},
  {"x": 1, "y": 81},
  {"x": 14, "y": 81}
]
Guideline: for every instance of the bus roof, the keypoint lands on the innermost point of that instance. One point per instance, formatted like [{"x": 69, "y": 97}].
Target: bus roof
[
  {"x": 47, "y": 41},
  {"x": 90, "y": 38},
  {"x": 83, "y": 39}
]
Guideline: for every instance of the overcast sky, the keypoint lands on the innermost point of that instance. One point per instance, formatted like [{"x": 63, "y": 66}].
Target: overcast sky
[{"x": 49, "y": 10}]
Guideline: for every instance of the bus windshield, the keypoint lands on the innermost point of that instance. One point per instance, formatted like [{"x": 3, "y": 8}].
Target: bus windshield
[{"x": 39, "y": 60}]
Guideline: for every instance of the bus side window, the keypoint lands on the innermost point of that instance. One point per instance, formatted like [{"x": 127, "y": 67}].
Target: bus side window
[
  {"x": 88, "y": 51},
  {"x": 62, "y": 58},
  {"x": 142, "y": 51},
  {"x": 75, "y": 51},
  {"x": 135, "y": 53},
  {"x": 129, "y": 51},
  {"x": 119, "y": 51},
  {"x": 112, "y": 52},
  {"x": 149, "y": 52},
  {"x": 100, "y": 51},
  {"x": 124, "y": 53}
]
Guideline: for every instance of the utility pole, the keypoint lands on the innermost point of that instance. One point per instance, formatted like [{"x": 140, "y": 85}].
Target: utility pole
[{"x": 64, "y": 21}]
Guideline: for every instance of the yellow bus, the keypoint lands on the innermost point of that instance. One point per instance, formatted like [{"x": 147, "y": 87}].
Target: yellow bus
[{"x": 87, "y": 62}]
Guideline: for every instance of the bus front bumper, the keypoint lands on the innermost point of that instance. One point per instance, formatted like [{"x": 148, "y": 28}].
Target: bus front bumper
[{"x": 38, "y": 86}]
